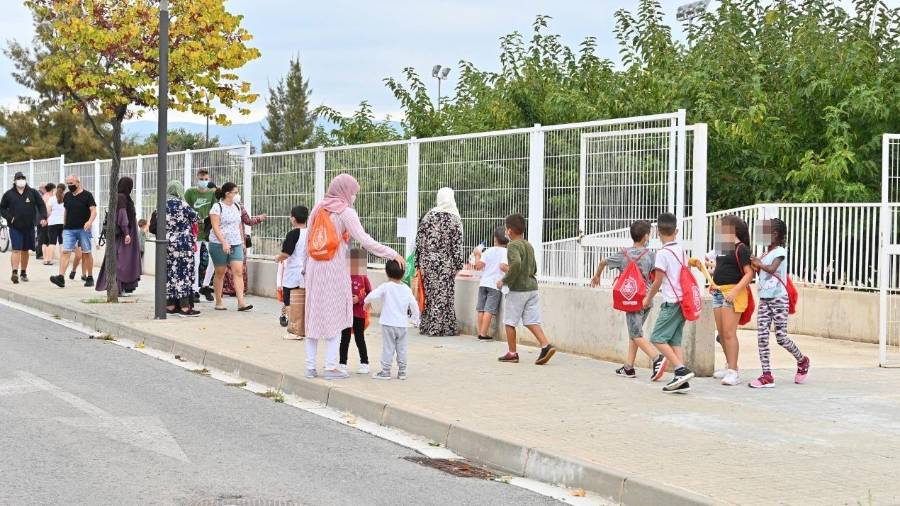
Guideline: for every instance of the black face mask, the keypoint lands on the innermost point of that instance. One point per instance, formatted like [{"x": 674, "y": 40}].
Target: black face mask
[{"x": 72, "y": 188}]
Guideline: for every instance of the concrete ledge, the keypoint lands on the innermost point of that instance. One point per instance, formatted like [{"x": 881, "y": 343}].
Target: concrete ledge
[
  {"x": 495, "y": 452},
  {"x": 357, "y": 403},
  {"x": 189, "y": 353},
  {"x": 260, "y": 375},
  {"x": 639, "y": 491},
  {"x": 221, "y": 362},
  {"x": 428, "y": 426},
  {"x": 302, "y": 387},
  {"x": 548, "y": 467}
]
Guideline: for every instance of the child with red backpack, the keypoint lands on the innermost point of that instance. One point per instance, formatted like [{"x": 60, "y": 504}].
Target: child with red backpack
[
  {"x": 635, "y": 265},
  {"x": 681, "y": 301},
  {"x": 777, "y": 298}
]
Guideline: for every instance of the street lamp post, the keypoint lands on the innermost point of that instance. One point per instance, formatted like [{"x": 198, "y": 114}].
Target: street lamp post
[
  {"x": 162, "y": 150},
  {"x": 440, "y": 73}
]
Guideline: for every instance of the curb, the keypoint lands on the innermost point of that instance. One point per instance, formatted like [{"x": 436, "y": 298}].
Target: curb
[{"x": 504, "y": 455}]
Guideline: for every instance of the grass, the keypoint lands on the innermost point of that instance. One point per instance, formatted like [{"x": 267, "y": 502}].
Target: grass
[
  {"x": 275, "y": 395},
  {"x": 202, "y": 372},
  {"x": 95, "y": 300}
]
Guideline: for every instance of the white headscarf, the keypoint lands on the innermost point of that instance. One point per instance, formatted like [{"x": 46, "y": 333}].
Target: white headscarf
[{"x": 446, "y": 202}]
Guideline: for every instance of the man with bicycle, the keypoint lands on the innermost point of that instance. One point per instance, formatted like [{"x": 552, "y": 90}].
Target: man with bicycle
[{"x": 22, "y": 207}]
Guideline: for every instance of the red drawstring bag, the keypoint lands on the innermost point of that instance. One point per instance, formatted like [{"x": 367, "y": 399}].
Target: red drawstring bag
[
  {"x": 751, "y": 302},
  {"x": 690, "y": 291},
  {"x": 791, "y": 293},
  {"x": 630, "y": 289}
]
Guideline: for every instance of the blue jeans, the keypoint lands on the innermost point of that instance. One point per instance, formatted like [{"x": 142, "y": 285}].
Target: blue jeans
[{"x": 76, "y": 237}]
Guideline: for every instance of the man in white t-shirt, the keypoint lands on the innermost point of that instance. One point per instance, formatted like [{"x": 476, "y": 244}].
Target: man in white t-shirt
[{"x": 493, "y": 265}]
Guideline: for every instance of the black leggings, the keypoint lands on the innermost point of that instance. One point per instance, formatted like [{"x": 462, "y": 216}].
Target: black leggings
[{"x": 359, "y": 331}]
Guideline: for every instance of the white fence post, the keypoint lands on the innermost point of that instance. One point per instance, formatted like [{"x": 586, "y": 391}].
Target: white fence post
[
  {"x": 820, "y": 242},
  {"x": 139, "y": 187},
  {"x": 884, "y": 229},
  {"x": 188, "y": 168},
  {"x": 536, "y": 195},
  {"x": 698, "y": 194},
  {"x": 412, "y": 195},
  {"x": 681, "y": 167},
  {"x": 95, "y": 227},
  {"x": 247, "y": 190},
  {"x": 31, "y": 180},
  {"x": 62, "y": 169},
  {"x": 582, "y": 224},
  {"x": 319, "y": 182}
]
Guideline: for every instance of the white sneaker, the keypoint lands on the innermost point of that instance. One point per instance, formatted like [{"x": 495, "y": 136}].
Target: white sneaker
[
  {"x": 720, "y": 373},
  {"x": 342, "y": 368},
  {"x": 363, "y": 369},
  {"x": 731, "y": 378}
]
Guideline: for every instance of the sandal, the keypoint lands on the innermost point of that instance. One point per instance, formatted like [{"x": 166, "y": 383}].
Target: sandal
[
  {"x": 248, "y": 307},
  {"x": 220, "y": 308}
]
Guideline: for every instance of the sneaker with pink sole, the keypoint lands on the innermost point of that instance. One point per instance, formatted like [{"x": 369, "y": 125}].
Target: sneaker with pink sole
[
  {"x": 802, "y": 371},
  {"x": 764, "y": 381}
]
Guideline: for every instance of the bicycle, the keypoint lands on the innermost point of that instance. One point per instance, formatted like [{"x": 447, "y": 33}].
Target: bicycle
[{"x": 4, "y": 236}]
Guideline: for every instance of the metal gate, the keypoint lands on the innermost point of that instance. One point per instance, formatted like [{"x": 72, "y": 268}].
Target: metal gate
[
  {"x": 889, "y": 258},
  {"x": 636, "y": 174}
]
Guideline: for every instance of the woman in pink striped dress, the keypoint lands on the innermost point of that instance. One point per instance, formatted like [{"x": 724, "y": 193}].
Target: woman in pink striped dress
[{"x": 329, "y": 295}]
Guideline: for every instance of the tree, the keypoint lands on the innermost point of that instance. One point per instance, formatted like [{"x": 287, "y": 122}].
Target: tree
[
  {"x": 180, "y": 140},
  {"x": 358, "y": 128},
  {"x": 103, "y": 58},
  {"x": 289, "y": 122}
]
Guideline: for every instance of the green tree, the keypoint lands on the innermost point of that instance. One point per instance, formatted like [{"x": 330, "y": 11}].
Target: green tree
[
  {"x": 103, "y": 58},
  {"x": 179, "y": 140},
  {"x": 357, "y": 128},
  {"x": 289, "y": 122}
]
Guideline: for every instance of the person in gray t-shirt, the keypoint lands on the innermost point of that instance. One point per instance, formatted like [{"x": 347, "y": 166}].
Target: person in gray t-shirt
[{"x": 640, "y": 234}]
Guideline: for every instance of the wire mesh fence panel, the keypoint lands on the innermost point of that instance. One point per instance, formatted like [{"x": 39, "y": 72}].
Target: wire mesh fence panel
[
  {"x": 127, "y": 168},
  {"x": 381, "y": 171},
  {"x": 280, "y": 182},
  {"x": 84, "y": 171},
  {"x": 46, "y": 171},
  {"x": 489, "y": 175},
  {"x": 223, "y": 165},
  {"x": 13, "y": 168},
  {"x": 174, "y": 172},
  {"x": 889, "y": 254}
]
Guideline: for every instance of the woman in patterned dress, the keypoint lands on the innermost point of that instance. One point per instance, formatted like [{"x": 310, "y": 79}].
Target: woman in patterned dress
[
  {"x": 440, "y": 256},
  {"x": 180, "y": 223},
  {"x": 329, "y": 293}
]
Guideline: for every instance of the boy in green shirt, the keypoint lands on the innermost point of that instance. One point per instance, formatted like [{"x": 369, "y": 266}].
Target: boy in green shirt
[
  {"x": 522, "y": 302},
  {"x": 201, "y": 199}
]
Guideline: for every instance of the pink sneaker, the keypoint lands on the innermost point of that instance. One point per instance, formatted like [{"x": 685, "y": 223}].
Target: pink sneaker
[
  {"x": 802, "y": 371},
  {"x": 764, "y": 381}
]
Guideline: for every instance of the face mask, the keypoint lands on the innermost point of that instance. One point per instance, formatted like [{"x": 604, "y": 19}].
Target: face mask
[
  {"x": 72, "y": 188},
  {"x": 20, "y": 183},
  {"x": 237, "y": 198},
  {"x": 353, "y": 200},
  {"x": 203, "y": 185}
]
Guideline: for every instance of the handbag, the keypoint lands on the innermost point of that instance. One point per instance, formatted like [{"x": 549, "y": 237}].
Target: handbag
[{"x": 297, "y": 313}]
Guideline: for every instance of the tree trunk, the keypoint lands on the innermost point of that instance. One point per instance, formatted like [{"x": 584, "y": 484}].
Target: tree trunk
[{"x": 110, "y": 258}]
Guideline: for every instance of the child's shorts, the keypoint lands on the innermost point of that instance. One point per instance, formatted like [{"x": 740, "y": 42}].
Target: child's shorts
[
  {"x": 740, "y": 301},
  {"x": 635, "y": 322},
  {"x": 220, "y": 258},
  {"x": 524, "y": 307},
  {"x": 669, "y": 325},
  {"x": 488, "y": 300}
]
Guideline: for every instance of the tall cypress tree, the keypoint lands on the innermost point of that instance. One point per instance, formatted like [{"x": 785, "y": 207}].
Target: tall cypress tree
[{"x": 289, "y": 121}]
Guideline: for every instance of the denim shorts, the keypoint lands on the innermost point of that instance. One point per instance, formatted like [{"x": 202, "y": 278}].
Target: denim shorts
[
  {"x": 77, "y": 237},
  {"x": 488, "y": 300},
  {"x": 22, "y": 240},
  {"x": 635, "y": 322},
  {"x": 220, "y": 259},
  {"x": 719, "y": 300}
]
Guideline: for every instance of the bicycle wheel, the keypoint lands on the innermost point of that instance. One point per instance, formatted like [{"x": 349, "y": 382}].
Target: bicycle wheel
[{"x": 4, "y": 239}]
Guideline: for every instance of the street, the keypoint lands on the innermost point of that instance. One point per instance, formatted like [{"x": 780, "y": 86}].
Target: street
[{"x": 88, "y": 422}]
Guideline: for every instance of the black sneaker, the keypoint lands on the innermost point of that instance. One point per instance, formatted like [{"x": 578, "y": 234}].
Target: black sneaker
[
  {"x": 660, "y": 364},
  {"x": 626, "y": 372},
  {"x": 283, "y": 320},
  {"x": 196, "y": 297},
  {"x": 59, "y": 281},
  {"x": 23, "y": 277},
  {"x": 486, "y": 338},
  {"x": 89, "y": 281},
  {"x": 14, "y": 278},
  {"x": 190, "y": 313},
  {"x": 72, "y": 275},
  {"x": 208, "y": 293},
  {"x": 84, "y": 278},
  {"x": 547, "y": 353},
  {"x": 682, "y": 376},
  {"x": 683, "y": 389}
]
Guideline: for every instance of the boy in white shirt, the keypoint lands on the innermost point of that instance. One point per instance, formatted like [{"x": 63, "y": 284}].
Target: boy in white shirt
[
  {"x": 493, "y": 265},
  {"x": 669, "y": 327},
  {"x": 398, "y": 307},
  {"x": 293, "y": 250}
]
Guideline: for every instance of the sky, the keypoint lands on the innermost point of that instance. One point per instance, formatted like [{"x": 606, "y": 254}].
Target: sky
[{"x": 348, "y": 47}]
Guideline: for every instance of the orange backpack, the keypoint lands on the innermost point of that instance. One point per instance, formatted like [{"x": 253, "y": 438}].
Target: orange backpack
[{"x": 323, "y": 241}]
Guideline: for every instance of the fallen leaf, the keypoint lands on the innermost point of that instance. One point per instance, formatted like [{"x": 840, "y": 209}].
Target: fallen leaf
[
  {"x": 139, "y": 345},
  {"x": 351, "y": 420},
  {"x": 504, "y": 479},
  {"x": 579, "y": 493},
  {"x": 432, "y": 443}
]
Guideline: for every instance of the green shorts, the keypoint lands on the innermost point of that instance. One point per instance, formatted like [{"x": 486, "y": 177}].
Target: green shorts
[
  {"x": 669, "y": 325},
  {"x": 219, "y": 258}
]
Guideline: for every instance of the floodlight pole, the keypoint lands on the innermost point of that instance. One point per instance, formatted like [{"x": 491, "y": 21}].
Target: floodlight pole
[{"x": 162, "y": 150}]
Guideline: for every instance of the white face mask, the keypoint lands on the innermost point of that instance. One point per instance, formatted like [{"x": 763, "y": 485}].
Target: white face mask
[
  {"x": 353, "y": 200},
  {"x": 20, "y": 183},
  {"x": 237, "y": 198}
]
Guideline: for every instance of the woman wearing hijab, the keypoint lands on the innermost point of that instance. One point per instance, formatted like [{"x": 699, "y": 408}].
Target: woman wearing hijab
[
  {"x": 181, "y": 223},
  {"x": 329, "y": 295},
  {"x": 440, "y": 256},
  {"x": 128, "y": 247}
]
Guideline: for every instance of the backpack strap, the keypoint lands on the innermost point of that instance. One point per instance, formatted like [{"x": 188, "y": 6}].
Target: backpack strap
[{"x": 681, "y": 261}]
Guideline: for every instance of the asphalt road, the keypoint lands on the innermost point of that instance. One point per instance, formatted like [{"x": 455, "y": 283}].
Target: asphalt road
[{"x": 88, "y": 422}]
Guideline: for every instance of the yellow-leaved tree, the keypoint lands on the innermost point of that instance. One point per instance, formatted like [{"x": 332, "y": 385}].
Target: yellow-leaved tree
[{"x": 103, "y": 56}]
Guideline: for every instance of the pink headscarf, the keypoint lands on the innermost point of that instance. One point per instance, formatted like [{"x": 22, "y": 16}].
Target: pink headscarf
[{"x": 340, "y": 193}]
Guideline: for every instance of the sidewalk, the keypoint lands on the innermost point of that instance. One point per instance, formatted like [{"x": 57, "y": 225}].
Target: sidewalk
[{"x": 835, "y": 440}]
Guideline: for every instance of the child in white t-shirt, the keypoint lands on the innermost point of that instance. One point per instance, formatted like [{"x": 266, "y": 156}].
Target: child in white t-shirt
[
  {"x": 493, "y": 265},
  {"x": 292, "y": 252},
  {"x": 398, "y": 307}
]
